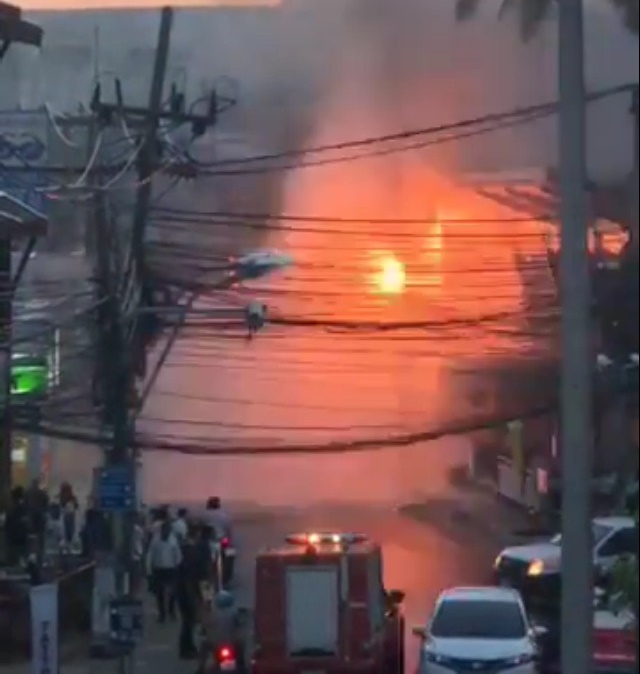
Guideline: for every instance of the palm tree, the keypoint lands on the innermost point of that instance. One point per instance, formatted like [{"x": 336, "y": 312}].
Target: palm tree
[{"x": 531, "y": 13}]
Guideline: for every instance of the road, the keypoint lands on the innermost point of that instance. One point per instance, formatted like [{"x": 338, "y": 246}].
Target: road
[
  {"x": 449, "y": 259},
  {"x": 419, "y": 559}
]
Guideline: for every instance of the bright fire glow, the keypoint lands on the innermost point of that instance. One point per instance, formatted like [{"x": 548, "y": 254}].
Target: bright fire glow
[{"x": 391, "y": 278}]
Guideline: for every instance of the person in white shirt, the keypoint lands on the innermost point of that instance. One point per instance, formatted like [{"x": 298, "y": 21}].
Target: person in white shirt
[
  {"x": 180, "y": 526},
  {"x": 218, "y": 519},
  {"x": 163, "y": 559}
]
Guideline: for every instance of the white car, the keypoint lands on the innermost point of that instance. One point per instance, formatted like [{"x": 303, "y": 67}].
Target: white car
[
  {"x": 478, "y": 629},
  {"x": 528, "y": 567}
]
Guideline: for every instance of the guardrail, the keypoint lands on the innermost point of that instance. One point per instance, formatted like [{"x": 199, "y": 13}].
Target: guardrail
[{"x": 75, "y": 587}]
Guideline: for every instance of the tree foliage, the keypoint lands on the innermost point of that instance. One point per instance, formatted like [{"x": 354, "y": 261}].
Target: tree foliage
[
  {"x": 625, "y": 577},
  {"x": 531, "y": 13}
]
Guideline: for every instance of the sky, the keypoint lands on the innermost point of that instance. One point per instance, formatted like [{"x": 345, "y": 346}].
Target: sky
[{"x": 135, "y": 4}]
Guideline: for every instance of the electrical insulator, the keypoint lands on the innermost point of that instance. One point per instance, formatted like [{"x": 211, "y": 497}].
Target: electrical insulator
[{"x": 255, "y": 317}]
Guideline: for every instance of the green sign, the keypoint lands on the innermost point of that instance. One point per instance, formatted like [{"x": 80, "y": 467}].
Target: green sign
[{"x": 29, "y": 376}]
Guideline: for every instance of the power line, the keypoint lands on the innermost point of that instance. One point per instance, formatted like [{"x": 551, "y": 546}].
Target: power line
[
  {"x": 236, "y": 218},
  {"x": 527, "y": 111},
  {"x": 345, "y": 446},
  {"x": 161, "y": 444}
]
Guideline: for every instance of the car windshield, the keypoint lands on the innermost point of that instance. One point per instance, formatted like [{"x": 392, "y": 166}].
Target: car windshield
[
  {"x": 598, "y": 531},
  {"x": 461, "y": 619}
]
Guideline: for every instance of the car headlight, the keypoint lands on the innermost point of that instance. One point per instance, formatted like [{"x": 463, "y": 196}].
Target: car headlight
[
  {"x": 536, "y": 568},
  {"x": 497, "y": 562},
  {"x": 430, "y": 656},
  {"x": 523, "y": 659}
]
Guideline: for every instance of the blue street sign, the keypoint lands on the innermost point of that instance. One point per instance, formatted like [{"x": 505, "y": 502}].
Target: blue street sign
[
  {"x": 126, "y": 621},
  {"x": 116, "y": 489}
]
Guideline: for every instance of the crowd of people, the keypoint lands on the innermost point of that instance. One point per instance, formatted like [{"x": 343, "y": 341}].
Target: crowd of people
[
  {"x": 38, "y": 523},
  {"x": 175, "y": 551},
  {"x": 183, "y": 575}
]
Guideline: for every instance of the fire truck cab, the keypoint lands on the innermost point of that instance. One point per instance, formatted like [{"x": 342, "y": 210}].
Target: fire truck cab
[{"x": 321, "y": 608}]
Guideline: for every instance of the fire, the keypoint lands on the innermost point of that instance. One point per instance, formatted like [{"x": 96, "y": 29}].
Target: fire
[{"x": 391, "y": 278}]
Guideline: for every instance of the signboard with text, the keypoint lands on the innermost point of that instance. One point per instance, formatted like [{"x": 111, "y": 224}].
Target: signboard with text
[
  {"x": 126, "y": 621},
  {"x": 116, "y": 489},
  {"x": 44, "y": 629},
  {"x": 23, "y": 149}
]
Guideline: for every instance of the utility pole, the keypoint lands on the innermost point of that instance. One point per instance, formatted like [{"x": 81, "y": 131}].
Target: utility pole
[
  {"x": 635, "y": 174},
  {"x": 13, "y": 30},
  {"x": 577, "y": 360},
  {"x": 122, "y": 452},
  {"x": 116, "y": 275},
  {"x": 6, "y": 337},
  {"x": 123, "y": 288},
  {"x": 148, "y": 154}
]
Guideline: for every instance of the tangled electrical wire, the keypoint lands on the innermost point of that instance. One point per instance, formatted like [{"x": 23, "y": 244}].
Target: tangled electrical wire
[{"x": 330, "y": 322}]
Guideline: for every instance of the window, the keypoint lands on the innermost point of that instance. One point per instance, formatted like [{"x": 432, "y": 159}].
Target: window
[
  {"x": 598, "y": 531},
  {"x": 623, "y": 542},
  {"x": 462, "y": 619}
]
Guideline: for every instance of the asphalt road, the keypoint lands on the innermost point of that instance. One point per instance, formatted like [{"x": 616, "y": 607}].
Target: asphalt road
[{"x": 419, "y": 559}]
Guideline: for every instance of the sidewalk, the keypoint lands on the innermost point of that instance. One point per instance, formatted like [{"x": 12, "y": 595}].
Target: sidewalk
[
  {"x": 158, "y": 654},
  {"x": 473, "y": 514}
]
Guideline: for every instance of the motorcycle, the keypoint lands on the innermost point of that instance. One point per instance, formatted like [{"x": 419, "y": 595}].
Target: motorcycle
[
  {"x": 228, "y": 555},
  {"x": 224, "y": 660}
]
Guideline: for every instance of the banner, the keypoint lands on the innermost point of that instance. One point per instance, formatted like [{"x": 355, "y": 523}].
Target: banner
[{"x": 44, "y": 629}]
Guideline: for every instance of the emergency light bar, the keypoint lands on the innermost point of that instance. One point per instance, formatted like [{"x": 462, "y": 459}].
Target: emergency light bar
[{"x": 325, "y": 538}]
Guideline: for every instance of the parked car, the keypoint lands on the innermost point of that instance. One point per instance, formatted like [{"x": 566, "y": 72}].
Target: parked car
[{"x": 534, "y": 569}]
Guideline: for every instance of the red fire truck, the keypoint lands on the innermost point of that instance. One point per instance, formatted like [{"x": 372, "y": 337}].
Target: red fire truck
[{"x": 321, "y": 608}]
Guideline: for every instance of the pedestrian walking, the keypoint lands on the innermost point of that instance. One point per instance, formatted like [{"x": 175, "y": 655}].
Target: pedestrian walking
[
  {"x": 17, "y": 527},
  {"x": 159, "y": 516},
  {"x": 70, "y": 509},
  {"x": 180, "y": 526},
  {"x": 96, "y": 536},
  {"x": 37, "y": 502},
  {"x": 188, "y": 593},
  {"x": 218, "y": 518},
  {"x": 163, "y": 559}
]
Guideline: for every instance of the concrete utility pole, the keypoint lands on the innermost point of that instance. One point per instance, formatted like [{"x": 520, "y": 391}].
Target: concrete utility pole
[
  {"x": 635, "y": 172},
  {"x": 122, "y": 453},
  {"x": 122, "y": 282},
  {"x": 577, "y": 360},
  {"x": 13, "y": 30},
  {"x": 148, "y": 159}
]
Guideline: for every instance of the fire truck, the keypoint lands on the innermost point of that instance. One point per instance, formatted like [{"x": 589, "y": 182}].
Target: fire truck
[{"x": 321, "y": 608}]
